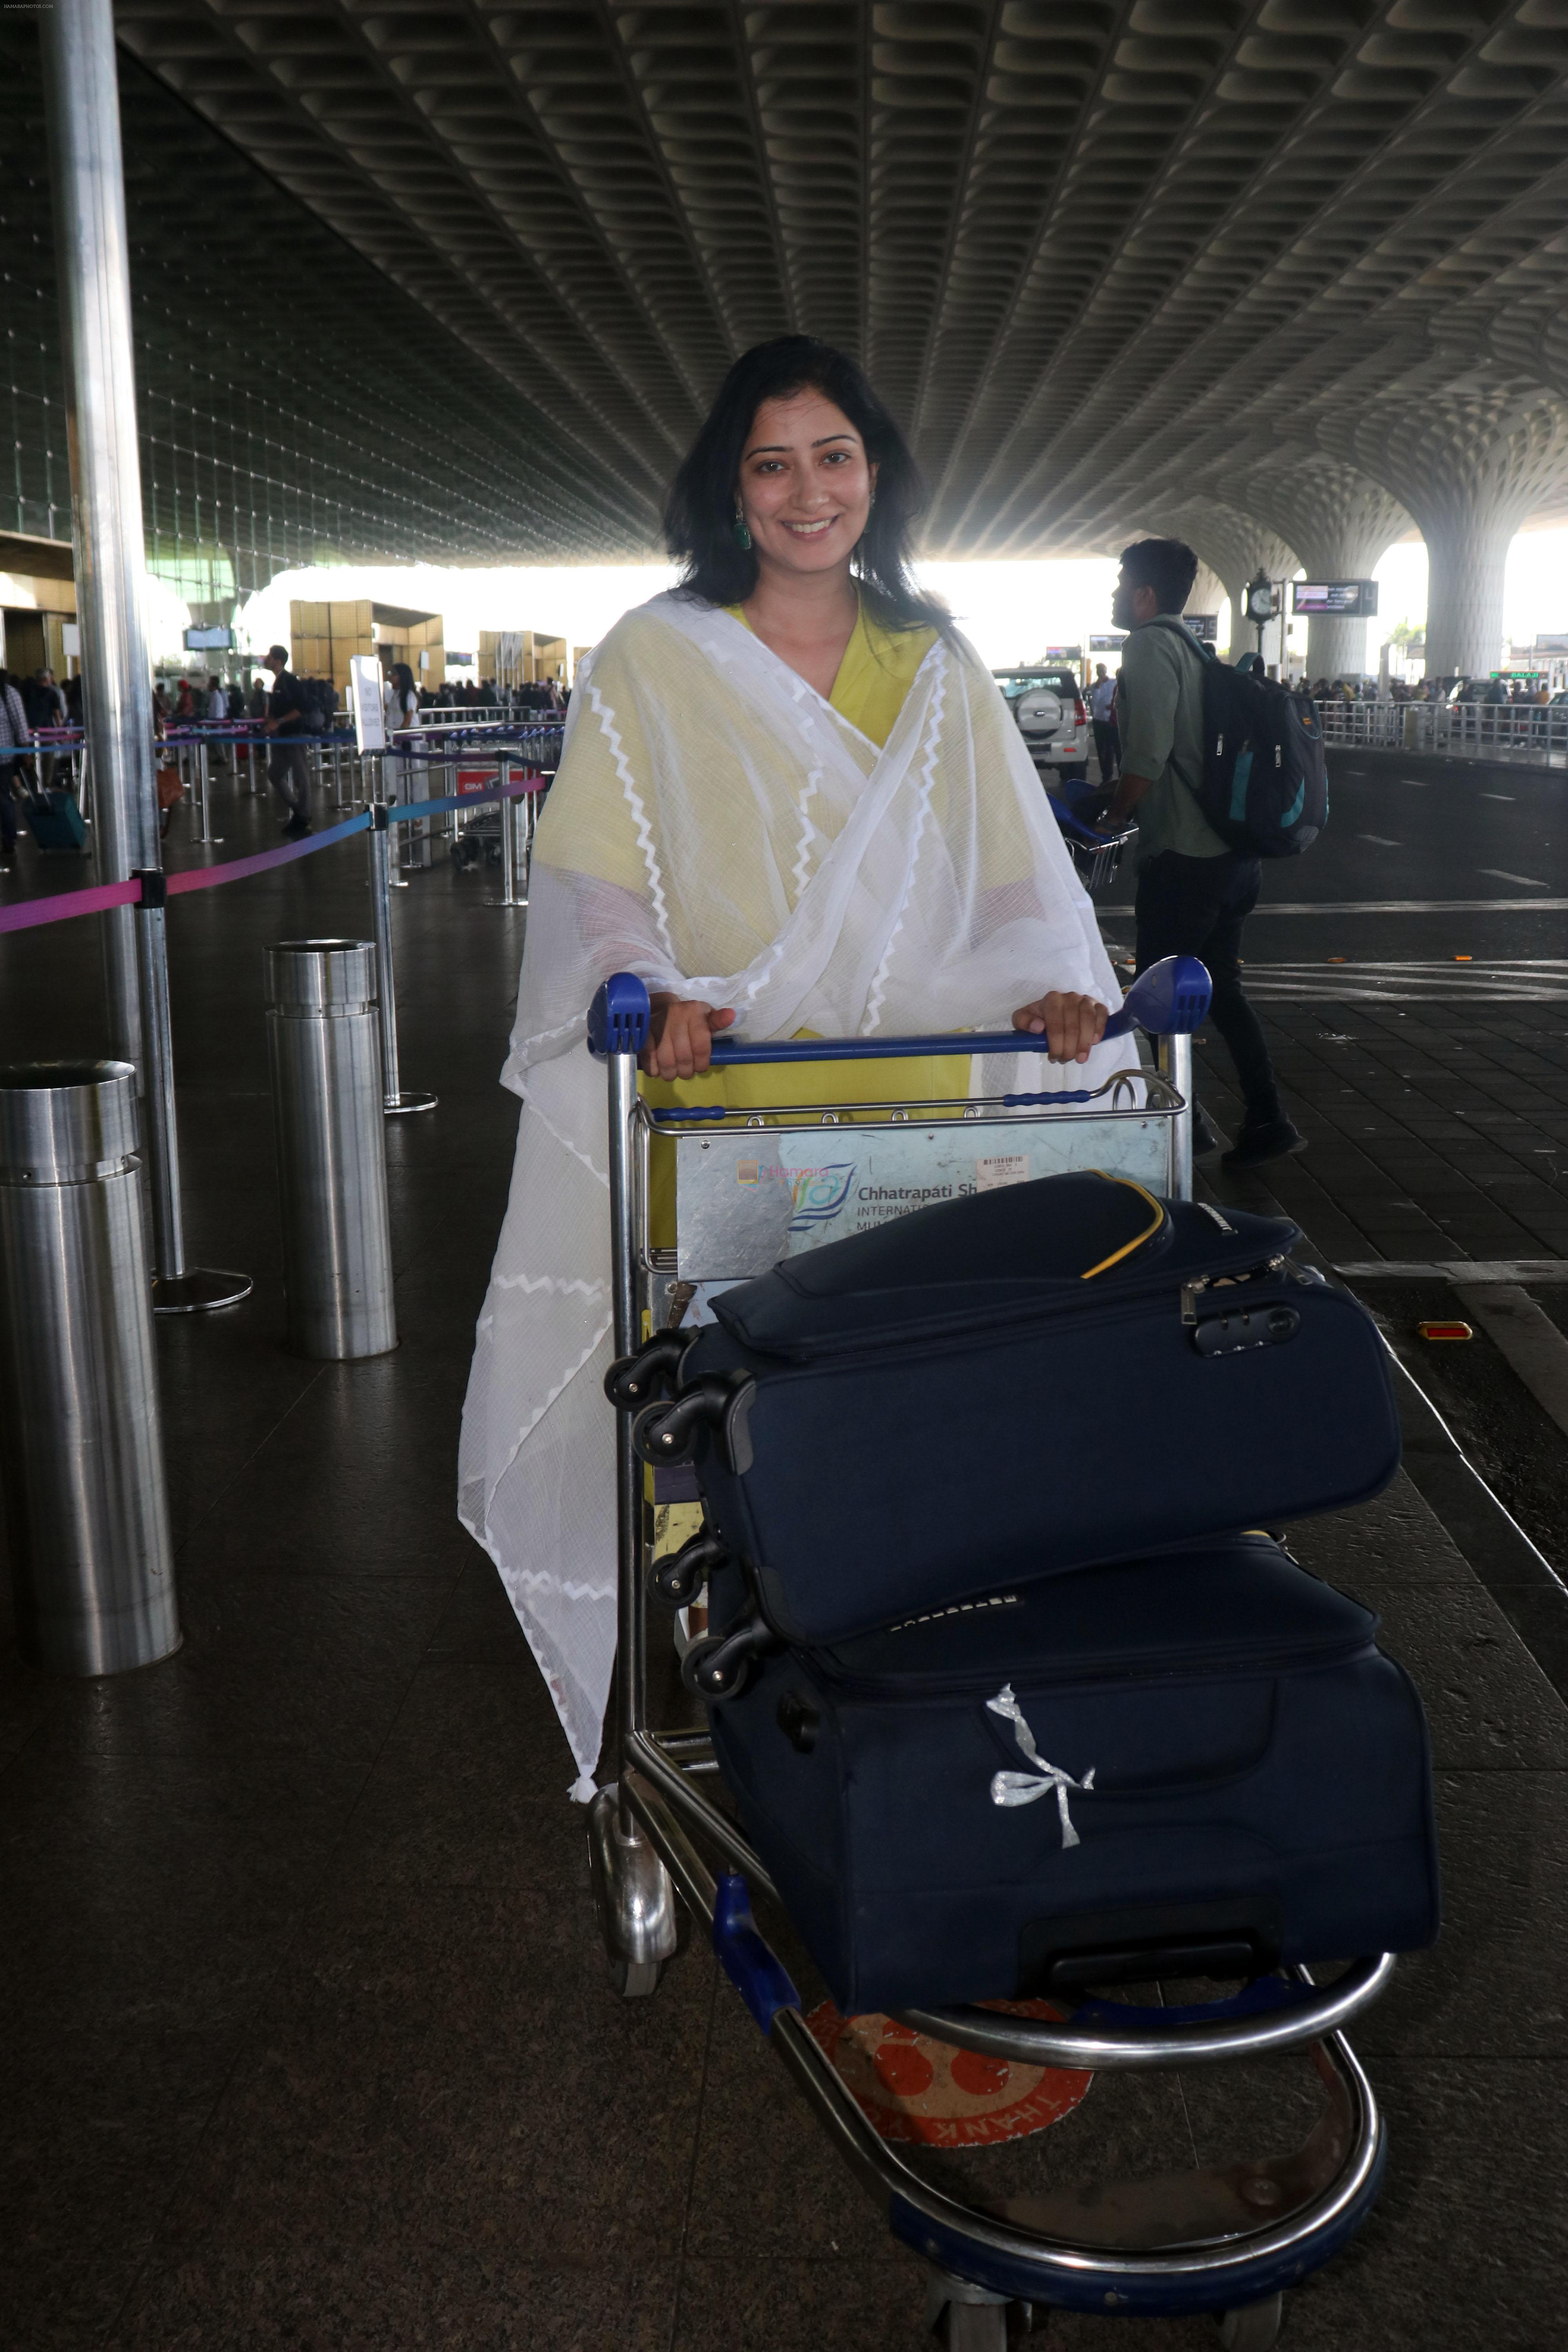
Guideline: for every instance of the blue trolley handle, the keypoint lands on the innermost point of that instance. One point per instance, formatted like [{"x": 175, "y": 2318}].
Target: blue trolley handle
[{"x": 1169, "y": 1000}]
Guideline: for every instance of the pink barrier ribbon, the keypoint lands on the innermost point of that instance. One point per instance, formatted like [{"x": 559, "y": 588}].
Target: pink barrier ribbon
[
  {"x": 235, "y": 869},
  {"x": 96, "y": 901},
  {"x": 65, "y": 904}
]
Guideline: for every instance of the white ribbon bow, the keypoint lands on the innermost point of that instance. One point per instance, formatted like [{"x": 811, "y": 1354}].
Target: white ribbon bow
[{"x": 1023, "y": 1787}]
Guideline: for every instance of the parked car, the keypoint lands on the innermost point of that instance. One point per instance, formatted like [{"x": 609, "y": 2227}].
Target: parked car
[{"x": 1053, "y": 719}]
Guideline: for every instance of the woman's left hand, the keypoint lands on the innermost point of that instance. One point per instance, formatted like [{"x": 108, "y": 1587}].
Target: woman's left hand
[{"x": 1071, "y": 1026}]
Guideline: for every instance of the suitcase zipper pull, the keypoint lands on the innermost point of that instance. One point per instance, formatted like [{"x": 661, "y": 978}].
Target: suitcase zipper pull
[
  {"x": 1190, "y": 1291},
  {"x": 1023, "y": 1787}
]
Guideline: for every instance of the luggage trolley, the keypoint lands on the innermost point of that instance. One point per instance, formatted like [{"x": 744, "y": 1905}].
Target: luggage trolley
[{"x": 1227, "y": 2241}]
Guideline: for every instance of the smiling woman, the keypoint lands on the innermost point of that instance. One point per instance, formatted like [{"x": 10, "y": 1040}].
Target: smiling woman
[{"x": 789, "y": 791}]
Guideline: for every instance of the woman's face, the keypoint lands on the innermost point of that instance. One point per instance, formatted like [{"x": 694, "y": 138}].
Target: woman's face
[{"x": 806, "y": 484}]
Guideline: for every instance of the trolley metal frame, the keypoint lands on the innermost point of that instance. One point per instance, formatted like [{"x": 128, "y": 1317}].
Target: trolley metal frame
[{"x": 1227, "y": 2242}]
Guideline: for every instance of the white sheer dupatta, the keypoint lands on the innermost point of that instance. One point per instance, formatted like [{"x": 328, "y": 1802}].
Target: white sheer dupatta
[{"x": 719, "y": 829}]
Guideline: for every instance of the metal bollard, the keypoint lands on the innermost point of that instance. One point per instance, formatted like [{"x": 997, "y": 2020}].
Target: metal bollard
[
  {"x": 323, "y": 1048},
  {"x": 80, "y": 1429}
]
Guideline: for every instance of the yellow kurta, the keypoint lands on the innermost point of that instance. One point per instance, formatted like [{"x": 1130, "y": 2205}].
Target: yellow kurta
[{"x": 873, "y": 682}]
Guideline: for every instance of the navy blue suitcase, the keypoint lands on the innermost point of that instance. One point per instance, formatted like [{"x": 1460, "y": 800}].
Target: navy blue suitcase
[
  {"x": 54, "y": 822},
  {"x": 1095, "y": 1779},
  {"x": 1011, "y": 1385}
]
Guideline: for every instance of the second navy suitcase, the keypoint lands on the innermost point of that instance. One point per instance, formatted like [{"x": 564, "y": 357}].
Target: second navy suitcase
[
  {"x": 1020, "y": 1383},
  {"x": 1102, "y": 1778}
]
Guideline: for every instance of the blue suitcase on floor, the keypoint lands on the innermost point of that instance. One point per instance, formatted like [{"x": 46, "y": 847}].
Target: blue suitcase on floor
[
  {"x": 1100, "y": 1778},
  {"x": 55, "y": 822},
  {"x": 1020, "y": 1383}
]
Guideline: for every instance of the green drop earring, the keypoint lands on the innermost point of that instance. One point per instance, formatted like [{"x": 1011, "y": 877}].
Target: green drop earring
[{"x": 743, "y": 535}]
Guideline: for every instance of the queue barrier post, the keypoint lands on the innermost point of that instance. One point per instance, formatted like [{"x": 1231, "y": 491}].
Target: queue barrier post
[
  {"x": 395, "y": 1102},
  {"x": 202, "y": 778},
  {"x": 323, "y": 1051},
  {"x": 81, "y": 1428},
  {"x": 507, "y": 811},
  {"x": 177, "y": 1289}
]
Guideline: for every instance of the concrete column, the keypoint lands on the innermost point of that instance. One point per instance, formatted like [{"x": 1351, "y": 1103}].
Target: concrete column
[
  {"x": 1468, "y": 539},
  {"x": 1471, "y": 467},
  {"x": 82, "y": 101}
]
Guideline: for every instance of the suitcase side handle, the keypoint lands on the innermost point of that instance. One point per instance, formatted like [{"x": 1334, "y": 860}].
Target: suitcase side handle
[{"x": 1169, "y": 1000}]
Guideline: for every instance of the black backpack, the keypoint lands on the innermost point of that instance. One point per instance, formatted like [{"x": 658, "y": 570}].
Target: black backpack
[{"x": 1264, "y": 785}]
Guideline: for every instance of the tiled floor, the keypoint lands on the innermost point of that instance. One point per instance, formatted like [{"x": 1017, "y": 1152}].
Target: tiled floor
[
  {"x": 1436, "y": 1131},
  {"x": 307, "y": 2041}
]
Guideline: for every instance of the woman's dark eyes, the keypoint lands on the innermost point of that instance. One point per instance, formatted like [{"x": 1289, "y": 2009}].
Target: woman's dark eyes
[{"x": 830, "y": 458}]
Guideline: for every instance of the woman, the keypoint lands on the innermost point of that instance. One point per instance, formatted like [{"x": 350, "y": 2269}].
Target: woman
[
  {"x": 400, "y": 705},
  {"x": 791, "y": 792}
]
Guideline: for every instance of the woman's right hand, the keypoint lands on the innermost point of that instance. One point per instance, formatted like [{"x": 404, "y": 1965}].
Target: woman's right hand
[{"x": 680, "y": 1041}]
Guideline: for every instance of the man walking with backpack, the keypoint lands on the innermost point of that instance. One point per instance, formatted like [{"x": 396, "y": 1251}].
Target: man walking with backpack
[{"x": 1195, "y": 889}]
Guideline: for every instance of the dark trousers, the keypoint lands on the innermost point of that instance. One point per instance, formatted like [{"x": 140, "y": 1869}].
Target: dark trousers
[
  {"x": 1196, "y": 905},
  {"x": 7, "y": 806},
  {"x": 1106, "y": 750},
  {"x": 289, "y": 775}
]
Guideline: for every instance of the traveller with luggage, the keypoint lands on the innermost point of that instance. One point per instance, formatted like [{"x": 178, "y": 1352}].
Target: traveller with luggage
[
  {"x": 1195, "y": 887},
  {"x": 789, "y": 793}
]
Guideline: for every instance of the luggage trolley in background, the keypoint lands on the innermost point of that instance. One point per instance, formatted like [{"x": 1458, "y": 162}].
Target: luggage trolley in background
[{"x": 1226, "y": 2240}]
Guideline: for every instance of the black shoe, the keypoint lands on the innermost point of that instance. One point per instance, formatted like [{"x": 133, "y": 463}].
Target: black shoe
[
  {"x": 1206, "y": 1143},
  {"x": 1269, "y": 1139},
  {"x": 297, "y": 827}
]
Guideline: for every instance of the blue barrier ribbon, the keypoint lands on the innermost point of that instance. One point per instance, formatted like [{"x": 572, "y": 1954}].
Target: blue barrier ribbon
[{"x": 405, "y": 811}]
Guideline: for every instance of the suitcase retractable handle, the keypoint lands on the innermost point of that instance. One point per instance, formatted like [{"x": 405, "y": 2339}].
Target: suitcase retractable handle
[{"x": 1169, "y": 1000}]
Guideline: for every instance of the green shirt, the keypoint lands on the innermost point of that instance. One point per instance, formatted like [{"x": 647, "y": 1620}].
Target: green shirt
[{"x": 1161, "y": 708}]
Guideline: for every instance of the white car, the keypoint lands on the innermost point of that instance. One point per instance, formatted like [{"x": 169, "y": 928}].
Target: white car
[{"x": 1053, "y": 719}]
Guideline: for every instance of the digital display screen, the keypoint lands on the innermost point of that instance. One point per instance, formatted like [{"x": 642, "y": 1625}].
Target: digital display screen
[
  {"x": 1354, "y": 598},
  {"x": 209, "y": 640}
]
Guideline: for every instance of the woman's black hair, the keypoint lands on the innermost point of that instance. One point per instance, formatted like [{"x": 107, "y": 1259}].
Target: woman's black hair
[
  {"x": 402, "y": 678},
  {"x": 700, "y": 514}
]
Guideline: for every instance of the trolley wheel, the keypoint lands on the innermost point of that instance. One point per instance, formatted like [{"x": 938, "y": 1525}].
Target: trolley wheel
[
  {"x": 634, "y": 1980},
  {"x": 1255, "y": 2327}
]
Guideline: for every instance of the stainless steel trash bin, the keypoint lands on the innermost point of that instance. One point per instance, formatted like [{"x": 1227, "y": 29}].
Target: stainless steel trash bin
[
  {"x": 82, "y": 1442},
  {"x": 323, "y": 1039}
]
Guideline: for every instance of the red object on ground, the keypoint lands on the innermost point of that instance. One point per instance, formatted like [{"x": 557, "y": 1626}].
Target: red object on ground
[{"x": 923, "y": 2092}]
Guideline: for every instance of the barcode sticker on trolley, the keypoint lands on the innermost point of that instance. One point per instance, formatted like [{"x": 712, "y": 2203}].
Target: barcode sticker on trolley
[{"x": 990, "y": 1175}]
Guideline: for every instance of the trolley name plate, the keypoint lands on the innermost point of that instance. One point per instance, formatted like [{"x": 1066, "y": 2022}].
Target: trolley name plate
[{"x": 747, "y": 1197}]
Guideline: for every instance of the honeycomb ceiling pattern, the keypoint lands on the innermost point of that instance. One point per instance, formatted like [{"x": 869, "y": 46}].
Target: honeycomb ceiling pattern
[{"x": 1103, "y": 257}]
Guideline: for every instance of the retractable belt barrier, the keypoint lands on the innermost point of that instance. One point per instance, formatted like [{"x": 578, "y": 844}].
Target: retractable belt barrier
[{"x": 96, "y": 901}]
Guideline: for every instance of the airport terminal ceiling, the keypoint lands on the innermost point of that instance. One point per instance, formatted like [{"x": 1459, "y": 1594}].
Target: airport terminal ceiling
[{"x": 1288, "y": 276}]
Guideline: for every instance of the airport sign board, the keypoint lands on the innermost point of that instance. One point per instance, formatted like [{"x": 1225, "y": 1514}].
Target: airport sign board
[
  {"x": 212, "y": 640},
  {"x": 365, "y": 700},
  {"x": 1108, "y": 644},
  {"x": 1205, "y": 627},
  {"x": 1347, "y": 599}
]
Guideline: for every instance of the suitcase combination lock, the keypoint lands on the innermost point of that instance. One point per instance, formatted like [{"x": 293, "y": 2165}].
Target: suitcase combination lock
[{"x": 1257, "y": 1327}]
